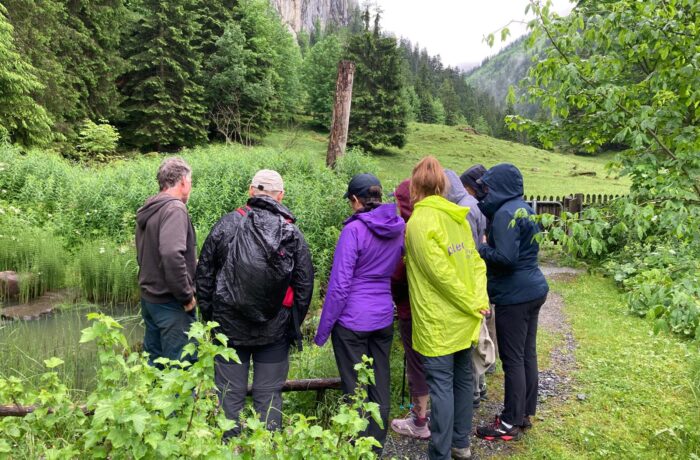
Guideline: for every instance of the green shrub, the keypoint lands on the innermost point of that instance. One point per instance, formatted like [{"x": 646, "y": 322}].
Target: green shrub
[
  {"x": 97, "y": 140},
  {"x": 140, "y": 411},
  {"x": 651, "y": 249}
]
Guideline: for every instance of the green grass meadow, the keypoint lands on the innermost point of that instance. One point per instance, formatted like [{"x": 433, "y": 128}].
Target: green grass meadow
[
  {"x": 545, "y": 173},
  {"x": 640, "y": 393}
]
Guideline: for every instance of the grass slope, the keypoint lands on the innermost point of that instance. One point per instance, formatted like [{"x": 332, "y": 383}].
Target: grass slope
[
  {"x": 545, "y": 172},
  {"x": 642, "y": 392}
]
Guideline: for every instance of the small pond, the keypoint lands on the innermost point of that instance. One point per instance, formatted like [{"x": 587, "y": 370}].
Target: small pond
[{"x": 24, "y": 345}]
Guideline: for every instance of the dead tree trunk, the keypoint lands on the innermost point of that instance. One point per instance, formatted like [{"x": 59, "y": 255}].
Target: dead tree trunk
[{"x": 341, "y": 112}]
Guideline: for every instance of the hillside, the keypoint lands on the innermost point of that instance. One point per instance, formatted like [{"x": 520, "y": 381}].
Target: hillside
[
  {"x": 545, "y": 172},
  {"x": 496, "y": 74}
]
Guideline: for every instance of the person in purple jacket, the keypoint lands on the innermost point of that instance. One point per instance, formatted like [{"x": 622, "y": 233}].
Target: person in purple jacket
[{"x": 358, "y": 311}]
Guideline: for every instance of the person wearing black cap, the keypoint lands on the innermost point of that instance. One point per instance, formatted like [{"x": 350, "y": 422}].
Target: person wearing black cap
[
  {"x": 469, "y": 179},
  {"x": 358, "y": 311}
]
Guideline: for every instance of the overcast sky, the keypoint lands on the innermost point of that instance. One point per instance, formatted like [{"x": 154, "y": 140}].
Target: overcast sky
[{"x": 454, "y": 29}]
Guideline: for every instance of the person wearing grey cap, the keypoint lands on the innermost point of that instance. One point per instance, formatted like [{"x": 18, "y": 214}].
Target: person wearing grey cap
[{"x": 255, "y": 279}]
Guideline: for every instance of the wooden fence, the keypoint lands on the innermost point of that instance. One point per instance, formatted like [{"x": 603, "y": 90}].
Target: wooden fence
[{"x": 543, "y": 204}]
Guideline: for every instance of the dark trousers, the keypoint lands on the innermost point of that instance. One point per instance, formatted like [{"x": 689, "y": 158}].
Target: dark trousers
[
  {"x": 167, "y": 325},
  {"x": 348, "y": 347},
  {"x": 451, "y": 384},
  {"x": 517, "y": 344},
  {"x": 270, "y": 369},
  {"x": 414, "y": 361}
]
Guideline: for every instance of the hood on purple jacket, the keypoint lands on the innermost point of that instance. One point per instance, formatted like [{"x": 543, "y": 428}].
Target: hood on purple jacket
[{"x": 359, "y": 290}]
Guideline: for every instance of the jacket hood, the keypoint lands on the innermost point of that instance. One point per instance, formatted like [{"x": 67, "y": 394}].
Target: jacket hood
[
  {"x": 152, "y": 206},
  {"x": 456, "y": 193},
  {"x": 456, "y": 212},
  {"x": 382, "y": 221},
  {"x": 403, "y": 199},
  {"x": 504, "y": 182},
  {"x": 270, "y": 204}
]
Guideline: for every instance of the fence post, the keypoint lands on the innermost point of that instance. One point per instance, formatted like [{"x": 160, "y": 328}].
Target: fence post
[{"x": 577, "y": 203}]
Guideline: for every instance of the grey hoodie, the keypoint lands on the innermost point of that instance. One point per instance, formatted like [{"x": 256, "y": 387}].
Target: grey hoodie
[
  {"x": 458, "y": 195},
  {"x": 165, "y": 250}
]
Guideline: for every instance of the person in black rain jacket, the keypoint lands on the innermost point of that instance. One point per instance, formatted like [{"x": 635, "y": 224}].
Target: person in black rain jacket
[{"x": 255, "y": 278}]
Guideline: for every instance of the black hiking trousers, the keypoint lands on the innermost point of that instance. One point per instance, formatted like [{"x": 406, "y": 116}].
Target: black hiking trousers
[
  {"x": 516, "y": 331},
  {"x": 348, "y": 347}
]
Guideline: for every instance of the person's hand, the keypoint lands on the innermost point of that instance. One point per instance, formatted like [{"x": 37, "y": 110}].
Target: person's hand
[
  {"x": 190, "y": 306},
  {"x": 485, "y": 313},
  {"x": 484, "y": 239}
]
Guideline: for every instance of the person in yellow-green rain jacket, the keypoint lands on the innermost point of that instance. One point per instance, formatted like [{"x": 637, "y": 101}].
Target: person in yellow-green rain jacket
[{"x": 447, "y": 290}]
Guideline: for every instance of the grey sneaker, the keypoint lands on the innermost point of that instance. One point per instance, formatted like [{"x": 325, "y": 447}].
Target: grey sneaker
[{"x": 462, "y": 453}]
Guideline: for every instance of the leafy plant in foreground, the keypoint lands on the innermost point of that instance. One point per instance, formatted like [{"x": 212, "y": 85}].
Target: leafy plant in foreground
[{"x": 140, "y": 411}]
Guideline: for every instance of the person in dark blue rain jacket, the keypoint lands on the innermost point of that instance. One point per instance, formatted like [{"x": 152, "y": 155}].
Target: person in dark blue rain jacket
[{"x": 518, "y": 289}]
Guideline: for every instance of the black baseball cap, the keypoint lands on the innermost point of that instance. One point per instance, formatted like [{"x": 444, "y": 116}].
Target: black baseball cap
[{"x": 360, "y": 184}]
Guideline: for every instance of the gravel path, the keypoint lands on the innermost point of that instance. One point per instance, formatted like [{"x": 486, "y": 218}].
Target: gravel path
[{"x": 554, "y": 385}]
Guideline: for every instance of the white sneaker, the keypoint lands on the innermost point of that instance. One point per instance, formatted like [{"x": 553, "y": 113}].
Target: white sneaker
[{"x": 407, "y": 427}]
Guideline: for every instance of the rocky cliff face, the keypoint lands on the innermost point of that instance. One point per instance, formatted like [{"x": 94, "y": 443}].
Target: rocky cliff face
[{"x": 301, "y": 14}]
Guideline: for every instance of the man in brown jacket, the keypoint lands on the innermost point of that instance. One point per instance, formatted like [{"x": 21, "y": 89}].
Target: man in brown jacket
[{"x": 165, "y": 248}]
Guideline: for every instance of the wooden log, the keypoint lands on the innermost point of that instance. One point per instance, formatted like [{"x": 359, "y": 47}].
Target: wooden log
[
  {"x": 341, "y": 113},
  {"x": 15, "y": 410},
  {"x": 319, "y": 385},
  {"x": 308, "y": 385}
]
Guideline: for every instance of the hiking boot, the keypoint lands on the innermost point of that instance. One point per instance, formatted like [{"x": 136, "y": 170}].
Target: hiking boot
[
  {"x": 461, "y": 453},
  {"x": 527, "y": 423},
  {"x": 407, "y": 427},
  {"x": 497, "y": 430},
  {"x": 476, "y": 403}
]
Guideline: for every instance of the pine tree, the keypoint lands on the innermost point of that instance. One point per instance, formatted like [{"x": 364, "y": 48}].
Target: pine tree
[
  {"x": 214, "y": 16},
  {"x": 239, "y": 93},
  {"x": 450, "y": 102},
  {"x": 320, "y": 71},
  {"x": 74, "y": 47},
  {"x": 379, "y": 111},
  {"x": 254, "y": 74},
  {"x": 22, "y": 120},
  {"x": 164, "y": 103}
]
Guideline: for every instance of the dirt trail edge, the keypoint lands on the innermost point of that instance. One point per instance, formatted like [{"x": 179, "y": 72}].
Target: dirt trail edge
[{"x": 555, "y": 381}]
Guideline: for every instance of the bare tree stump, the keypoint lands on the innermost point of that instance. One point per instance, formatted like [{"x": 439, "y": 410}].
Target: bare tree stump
[{"x": 341, "y": 113}]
